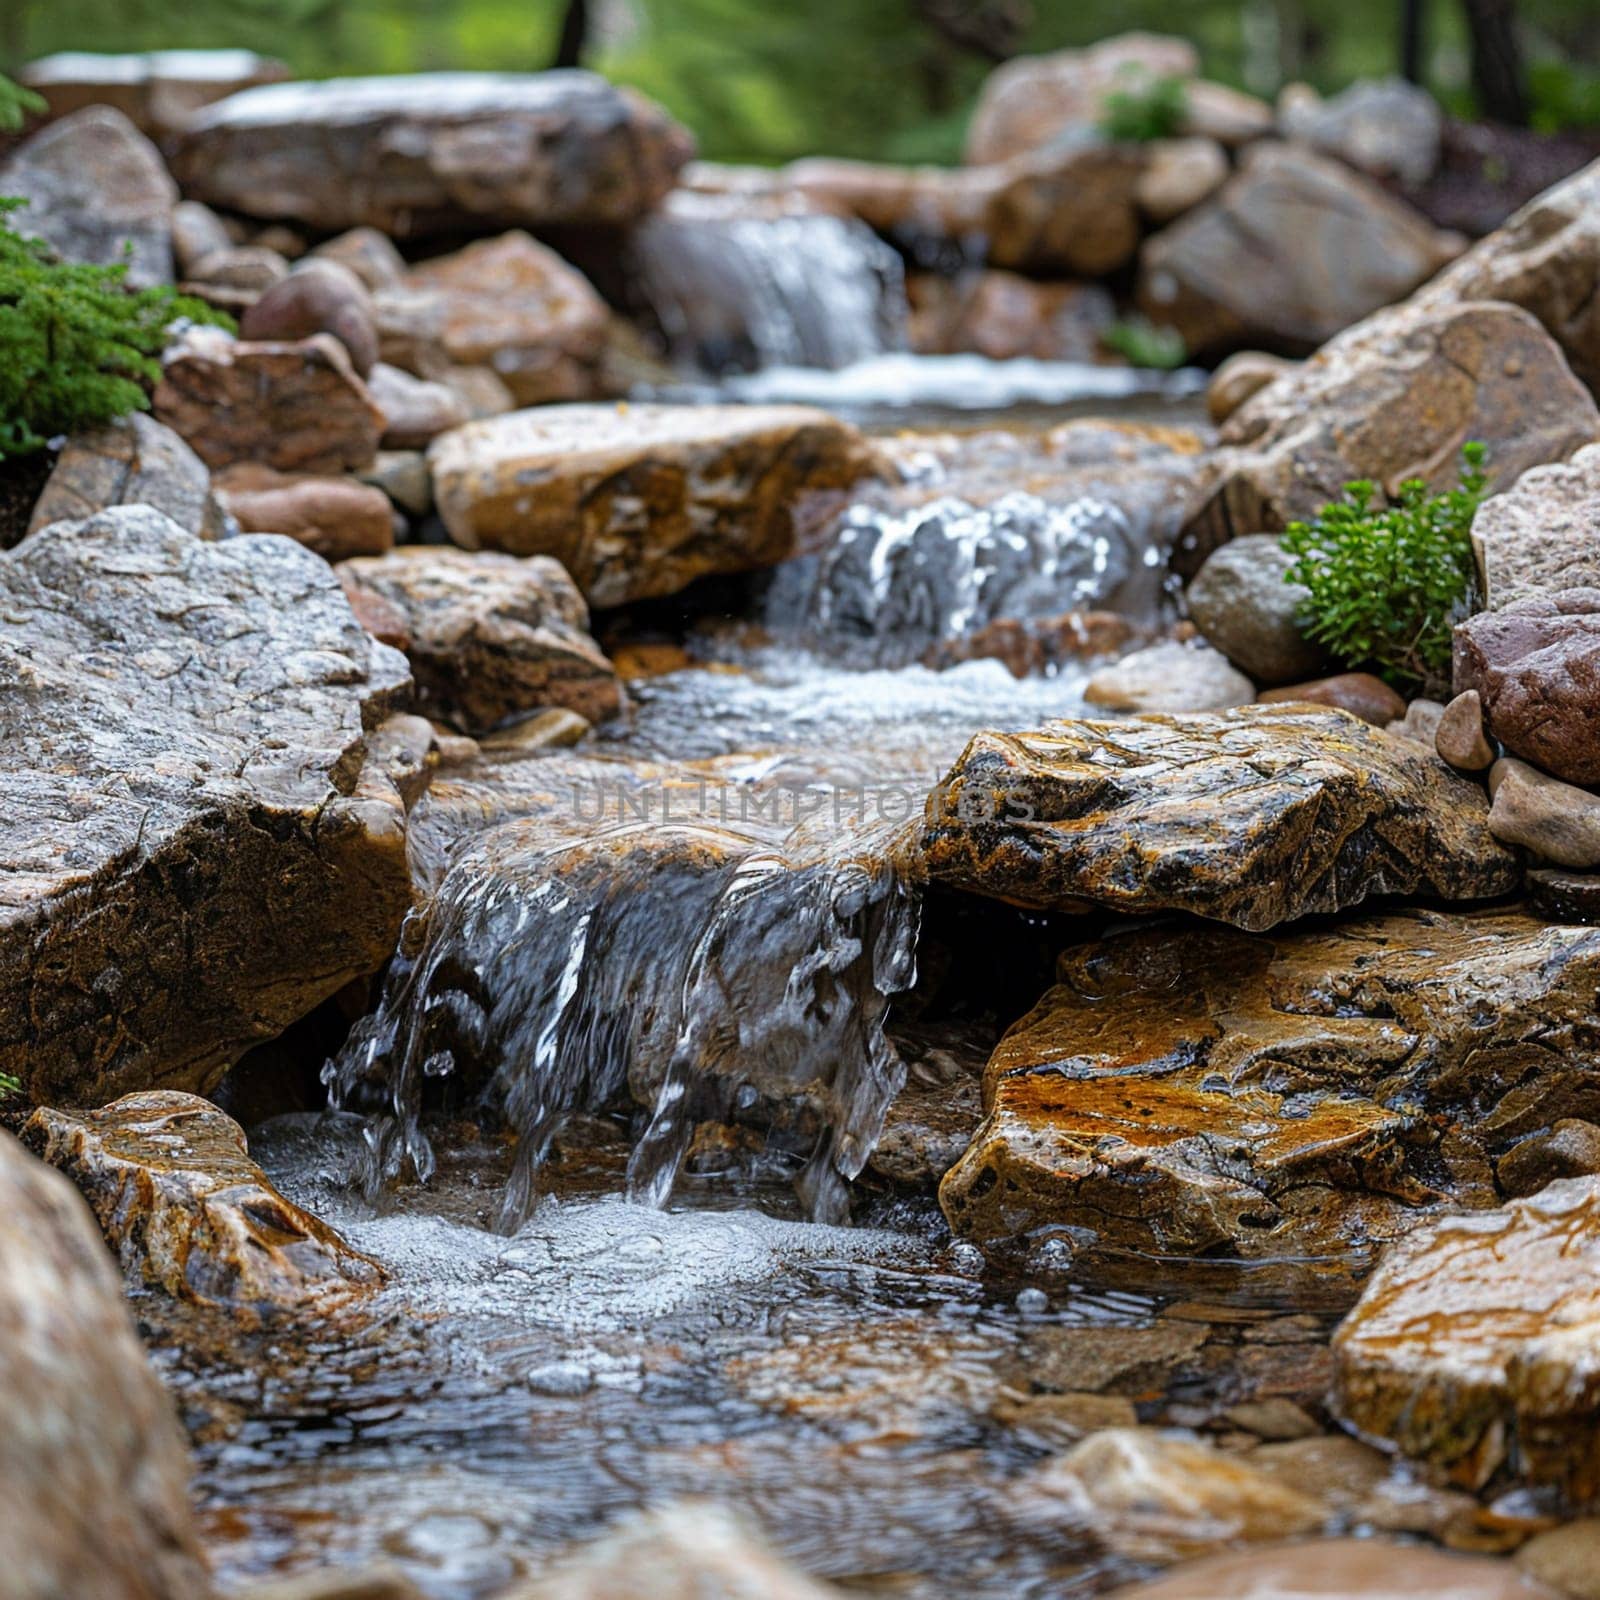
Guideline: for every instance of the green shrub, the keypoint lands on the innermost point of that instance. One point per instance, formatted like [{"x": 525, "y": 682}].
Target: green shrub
[
  {"x": 77, "y": 346},
  {"x": 9, "y": 1087},
  {"x": 1146, "y": 344},
  {"x": 1143, "y": 108},
  {"x": 16, "y": 105},
  {"x": 1388, "y": 582}
]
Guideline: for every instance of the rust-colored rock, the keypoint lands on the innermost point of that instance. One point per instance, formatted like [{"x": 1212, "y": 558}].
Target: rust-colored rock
[
  {"x": 1360, "y": 693},
  {"x": 186, "y": 1211},
  {"x": 1072, "y": 211},
  {"x": 636, "y": 501},
  {"x": 1253, "y": 816},
  {"x": 192, "y": 854},
  {"x": 491, "y": 636},
  {"x": 93, "y": 1460},
  {"x": 1539, "y": 536},
  {"x": 1474, "y": 1346},
  {"x": 438, "y": 153},
  {"x": 1291, "y": 1101},
  {"x": 1558, "y": 822},
  {"x": 1240, "y": 377},
  {"x": 1459, "y": 738},
  {"x": 1004, "y": 316},
  {"x": 298, "y": 407},
  {"x": 1033, "y": 645},
  {"x": 318, "y": 297},
  {"x": 336, "y": 517}
]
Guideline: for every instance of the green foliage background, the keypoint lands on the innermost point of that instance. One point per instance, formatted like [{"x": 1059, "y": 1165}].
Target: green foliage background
[{"x": 768, "y": 80}]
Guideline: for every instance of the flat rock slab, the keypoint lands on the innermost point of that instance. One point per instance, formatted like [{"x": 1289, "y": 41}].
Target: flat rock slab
[
  {"x": 441, "y": 152},
  {"x": 638, "y": 501},
  {"x": 184, "y": 1208},
  {"x": 1475, "y": 1345},
  {"x": 1305, "y": 1096},
  {"x": 1253, "y": 817},
  {"x": 191, "y": 852}
]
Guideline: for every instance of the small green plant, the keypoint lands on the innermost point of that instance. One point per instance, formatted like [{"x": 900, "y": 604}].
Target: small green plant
[
  {"x": 17, "y": 105},
  {"x": 77, "y": 346},
  {"x": 1146, "y": 343},
  {"x": 1389, "y": 581},
  {"x": 1142, "y": 108},
  {"x": 9, "y": 1086}
]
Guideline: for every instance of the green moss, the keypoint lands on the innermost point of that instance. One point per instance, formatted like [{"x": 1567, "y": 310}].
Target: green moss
[
  {"x": 1146, "y": 344},
  {"x": 1143, "y": 108},
  {"x": 17, "y": 105}
]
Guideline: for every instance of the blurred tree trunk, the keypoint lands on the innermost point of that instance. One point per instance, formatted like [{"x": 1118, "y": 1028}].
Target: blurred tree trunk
[
  {"x": 574, "y": 34},
  {"x": 1412, "y": 44},
  {"x": 1497, "y": 72},
  {"x": 990, "y": 29}
]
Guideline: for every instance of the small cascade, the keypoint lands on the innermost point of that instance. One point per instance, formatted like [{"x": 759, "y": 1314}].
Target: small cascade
[
  {"x": 740, "y": 290},
  {"x": 717, "y": 952}
]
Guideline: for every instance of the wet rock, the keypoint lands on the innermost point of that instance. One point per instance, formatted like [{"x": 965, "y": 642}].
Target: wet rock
[
  {"x": 96, "y": 1473},
  {"x": 491, "y": 636},
  {"x": 1385, "y": 127},
  {"x": 95, "y": 186},
  {"x": 1566, "y": 1558},
  {"x": 1178, "y": 175},
  {"x": 1342, "y": 1569},
  {"x": 931, "y": 1121},
  {"x": 1006, "y": 317},
  {"x": 319, "y": 297},
  {"x": 509, "y": 303},
  {"x": 1030, "y": 646},
  {"x": 1557, "y": 821},
  {"x": 369, "y": 254},
  {"x": 1032, "y": 101},
  {"x": 917, "y": 207},
  {"x": 158, "y": 90},
  {"x": 1538, "y": 537},
  {"x": 480, "y": 150},
  {"x": 336, "y": 517},
  {"x": 1420, "y": 724},
  {"x": 197, "y": 232},
  {"x": 185, "y": 1210},
  {"x": 1291, "y": 1101},
  {"x": 637, "y": 501},
  {"x": 1569, "y": 1148},
  {"x": 297, "y": 407},
  {"x": 1473, "y": 1350},
  {"x": 1159, "y": 1498},
  {"x": 1391, "y": 399},
  {"x": 1169, "y": 678},
  {"x": 1536, "y": 666},
  {"x": 1325, "y": 248},
  {"x": 1242, "y": 601},
  {"x": 1359, "y": 693},
  {"x": 193, "y": 854},
  {"x": 1564, "y": 896},
  {"x": 415, "y": 410},
  {"x": 544, "y": 730},
  {"x": 1253, "y": 816},
  {"x": 1459, "y": 737},
  {"x": 133, "y": 461},
  {"x": 1068, "y": 211}
]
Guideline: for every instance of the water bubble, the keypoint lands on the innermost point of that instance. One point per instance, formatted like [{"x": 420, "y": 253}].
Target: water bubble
[{"x": 1032, "y": 1302}]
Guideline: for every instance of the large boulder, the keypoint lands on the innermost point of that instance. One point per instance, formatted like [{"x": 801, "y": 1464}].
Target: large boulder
[
  {"x": 1536, "y": 666},
  {"x": 96, "y": 1474},
  {"x": 492, "y": 636},
  {"x": 1385, "y": 127},
  {"x": 1474, "y": 1346},
  {"x": 1540, "y": 535},
  {"x": 509, "y": 303},
  {"x": 186, "y": 1211},
  {"x": 1293, "y": 249},
  {"x": 97, "y": 191},
  {"x": 1296, "y": 1098},
  {"x": 193, "y": 852},
  {"x": 636, "y": 501},
  {"x": 439, "y": 153},
  {"x": 1390, "y": 399},
  {"x": 1251, "y": 817}
]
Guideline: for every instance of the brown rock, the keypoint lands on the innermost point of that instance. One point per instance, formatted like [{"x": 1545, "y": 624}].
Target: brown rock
[
  {"x": 1290, "y": 1101},
  {"x": 1564, "y": 896},
  {"x": 1567, "y": 1558},
  {"x": 336, "y": 517},
  {"x": 1459, "y": 738},
  {"x": 1225, "y": 114},
  {"x": 134, "y": 461},
  {"x": 1539, "y": 536},
  {"x": 185, "y": 1210},
  {"x": 481, "y": 150},
  {"x": 319, "y": 297},
  {"x": 1240, "y": 377},
  {"x": 1536, "y": 665},
  {"x": 1005, "y": 317},
  {"x": 1390, "y": 399},
  {"x": 491, "y": 636},
  {"x": 1252, "y": 817},
  {"x": 1169, "y": 677},
  {"x": 416, "y": 411},
  {"x": 1557, "y": 821},
  {"x": 96, "y": 188},
  {"x": 193, "y": 854},
  {"x": 382, "y": 618},
  {"x": 1035, "y": 645},
  {"x": 1473, "y": 1348},
  {"x": 234, "y": 278},
  {"x": 509, "y": 303},
  {"x": 297, "y": 407},
  {"x": 1323, "y": 248},
  {"x": 1359, "y": 693},
  {"x": 1420, "y": 724},
  {"x": 637, "y": 501},
  {"x": 401, "y": 474},
  {"x": 1569, "y": 1148},
  {"x": 369, "y": 254},
  {"x": 96, "y": 1473},
  {"x": 1178, "y": 175},
  {"x": 197, "y": 232},
  {"x": 912, "y": 205},
  {"x": 1070, "y": 212}
]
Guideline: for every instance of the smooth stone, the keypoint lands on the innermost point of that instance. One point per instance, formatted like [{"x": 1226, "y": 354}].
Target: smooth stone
[
  {"x": 1459, "y": 737},
  {"x": 1385, "y": 127},
  {"x": 1569, "y": 1148},
  {"x": 1169, "y": 677},
  {"x": 1006, "y": 317},
  {"x": 404, "y": 477},
  {"x": 1240, "y": 377},
  {"x": 1539, "y": 536},
  {"x": 416, "y": 411},
  {"x": 368, "y": 253},
  {"x": 233, "y": 279},
  {"x": 1253, "y": 817},
  {"x": 1420, "y": 724},
  {"x": 186, "y": 1211},
  {"x": 1178, "y": 175},
  {"x": 320, "y": 296},
  {"x": 1557, "y": 821},
  {"x": 197, "y": 232},
  {"x": 1031, "y": 646},
  {"x": 1360, "y": 693},
  {"x": 1564, "y": 896},
  {"x": 1243, "y": 603},
  {"x": 555, "y": 729},
  {"x": 338, "y": 517},
  {"x": 1066, "y": 211},
  {"x": 1566, "y": 1558},
  {"x": 1473, "y": 1348}
]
